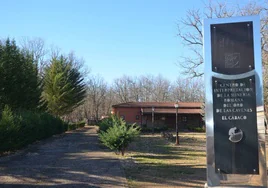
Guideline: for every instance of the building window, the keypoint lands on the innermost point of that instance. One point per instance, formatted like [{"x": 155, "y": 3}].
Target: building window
[
  {"x": 184, "y": 118},
  {"x": 123, "y": 117},
  {"x": 137, "y": 117}
]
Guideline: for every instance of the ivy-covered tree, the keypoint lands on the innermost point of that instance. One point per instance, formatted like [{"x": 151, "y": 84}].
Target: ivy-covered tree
[
  {"x": 19, "y": 83},
  {"x": 64, "y": 88}
]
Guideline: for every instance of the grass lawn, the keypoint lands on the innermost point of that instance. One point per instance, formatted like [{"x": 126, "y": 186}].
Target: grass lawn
[{"x": 152, "y": 161}]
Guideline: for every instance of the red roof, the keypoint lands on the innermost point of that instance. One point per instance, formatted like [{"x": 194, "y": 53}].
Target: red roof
[{"x": 159, "y": 105}]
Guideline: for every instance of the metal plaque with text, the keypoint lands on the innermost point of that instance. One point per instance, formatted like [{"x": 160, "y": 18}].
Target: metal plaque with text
[
  {"x": 234, "y": 103},
  {"x": 234, "y": 108}
]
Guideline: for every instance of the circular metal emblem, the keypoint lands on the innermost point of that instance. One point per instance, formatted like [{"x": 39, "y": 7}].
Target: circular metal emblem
[{"x": 235, "y": 135}]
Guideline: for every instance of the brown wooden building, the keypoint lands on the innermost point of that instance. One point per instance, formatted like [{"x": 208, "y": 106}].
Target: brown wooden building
[{"x": 161, "y": 113}]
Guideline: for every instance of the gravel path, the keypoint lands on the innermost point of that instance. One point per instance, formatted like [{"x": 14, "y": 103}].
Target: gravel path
[{"x": 73, "y": 159}]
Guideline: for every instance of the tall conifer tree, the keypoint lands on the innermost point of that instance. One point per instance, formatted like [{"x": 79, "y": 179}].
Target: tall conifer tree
[
  {"x": 19, "y": 85},
  {"x": 64, "y": 88}
]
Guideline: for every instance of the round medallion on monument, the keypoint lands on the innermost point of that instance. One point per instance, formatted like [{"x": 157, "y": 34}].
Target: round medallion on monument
[{"x": 235, "y": 135}]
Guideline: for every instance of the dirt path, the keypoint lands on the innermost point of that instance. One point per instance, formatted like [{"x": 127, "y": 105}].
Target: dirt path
[{"x": 74, "y": 159}]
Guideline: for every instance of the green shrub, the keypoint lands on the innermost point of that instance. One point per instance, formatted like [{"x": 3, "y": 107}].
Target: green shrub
[
  {"x": 196, "y": 129},
  {"x": 20, "y": 128},
  {"x": 119, "y": 135},
  {"x": 156, "y": 129},
  {"x": 8, "y": 129},
  {"x": 199, "y": 129},
  {"x": 106, "y": 123},
  {"x": 80, "y": 124},
  {"x": 73, "y": 126}
]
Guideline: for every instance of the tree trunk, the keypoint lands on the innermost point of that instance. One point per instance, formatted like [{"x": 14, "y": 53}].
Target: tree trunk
[{"x": 123, "y": 151}]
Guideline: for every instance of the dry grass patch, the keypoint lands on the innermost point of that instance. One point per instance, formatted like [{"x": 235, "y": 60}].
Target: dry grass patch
[{"x": 152, "y": 161}]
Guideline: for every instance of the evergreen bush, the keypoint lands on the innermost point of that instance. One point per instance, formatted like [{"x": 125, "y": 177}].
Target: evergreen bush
[
  {"x": 80, "y": 124},
  {"x": 8, "y": 129},
  {"x": 106, "y": 123},
  {"x": 73, "y": 126},
  {"x": 18, "y": 129},
  {"x": 196, "y": 129},
  {"x": 119, "y": 135}
]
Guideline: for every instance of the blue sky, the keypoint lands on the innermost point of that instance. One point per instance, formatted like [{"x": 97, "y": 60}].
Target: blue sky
[{"x": 115, "y": 38}]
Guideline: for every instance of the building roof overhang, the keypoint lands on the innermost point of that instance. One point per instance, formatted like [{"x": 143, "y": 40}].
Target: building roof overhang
[
  {"x": 159, "y": 105},
  {"x": 163, "y": 107}
]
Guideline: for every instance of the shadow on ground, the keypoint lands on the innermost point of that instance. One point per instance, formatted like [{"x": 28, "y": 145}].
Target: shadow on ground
[
  {"x": 74, "y": 160},
  {"x": 157, "y": 162}
]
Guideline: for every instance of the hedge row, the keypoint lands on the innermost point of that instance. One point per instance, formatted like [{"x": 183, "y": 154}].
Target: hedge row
[{"x": 22, "y": 128}]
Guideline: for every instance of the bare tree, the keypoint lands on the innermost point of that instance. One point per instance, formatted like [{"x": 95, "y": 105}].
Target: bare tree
[
  {"x": 109, "y": 101},
  {"x": 121, "y": 89},
  {"x": 190, "y": 29},
  {"x": 97, "y": 89},
  {"x": 145, "y": 88},
  {"x": 187, "y": 90},
  {"x": 37, "y": 48},
  {"x": 54, "y": 51},
  {"x": 135, "y": 87},
  {"x": 79, "y": 63},
  {"x": 161, "y": 89},
  {"x": 87, "y": 107}
]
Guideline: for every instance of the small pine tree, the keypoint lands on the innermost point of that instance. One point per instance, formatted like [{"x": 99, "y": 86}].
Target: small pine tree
[
  {"x": 8, "y": 129},
  {"x": 119, "y": 136},
  {"x": 105, "y": 124}
]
